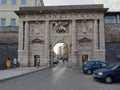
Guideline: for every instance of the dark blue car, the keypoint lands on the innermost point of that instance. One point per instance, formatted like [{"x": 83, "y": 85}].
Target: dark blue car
[
  {"x": 89, "y": 66},
  {"x": 109, "y": 74}
]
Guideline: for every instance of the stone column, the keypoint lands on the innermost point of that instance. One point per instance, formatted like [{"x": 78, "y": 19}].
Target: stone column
[
  {"x": 20, "y": 36},
  {"x": 74, "y": 43},
  {"x": 102, "y": 40},
  {"x": 26, "y": 36},
  {"x": 95, "y": 34},
  {"x": 102, "y": 34},
  {"x": 20, "y": 42},
  {"x": 47, "y": 43},
  {"x": 118, "y": 19},
  {"x": 26, "y": 44}
]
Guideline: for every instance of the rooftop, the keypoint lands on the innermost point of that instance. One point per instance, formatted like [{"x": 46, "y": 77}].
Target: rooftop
[{"x": 64, "y": 8}]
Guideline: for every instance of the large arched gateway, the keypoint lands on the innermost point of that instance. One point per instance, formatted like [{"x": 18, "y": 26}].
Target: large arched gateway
[{"x": 81, "y": 27}]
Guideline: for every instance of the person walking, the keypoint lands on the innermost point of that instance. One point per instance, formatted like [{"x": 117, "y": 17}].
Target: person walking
[
  {"x": 38, "y": 62},
  {"x": 8, "y": 63},
  {"x": 14, "y": 63}
]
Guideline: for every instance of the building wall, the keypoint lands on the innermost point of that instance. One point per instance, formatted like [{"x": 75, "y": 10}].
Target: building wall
[
  {"x": 7, "y": 10},
  {"x": 9, "y": 39},
  {"x": 8, "y": 44},
  {"x": 112, "y": 34},
  {"x": 112, "y": 52},
  {"x": 7, "y": 50}
]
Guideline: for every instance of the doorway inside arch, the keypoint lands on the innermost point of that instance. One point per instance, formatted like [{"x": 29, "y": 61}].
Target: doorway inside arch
[
  {"x": 61, "y": 52},
  {"x": 84, "y": 58},
  {"x": 36, "y": 57}
]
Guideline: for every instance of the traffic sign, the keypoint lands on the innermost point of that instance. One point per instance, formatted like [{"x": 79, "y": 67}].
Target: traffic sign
[{"x": 76, "y": 52}]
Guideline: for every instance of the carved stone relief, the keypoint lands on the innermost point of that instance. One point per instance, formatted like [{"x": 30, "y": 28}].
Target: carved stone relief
[
  {"x": 85, "y": 46},
  {"x": 37, "y": 29},
  {"x": 37, "y": 48},
  {"x": 60, "y": 26},
  {"x": 85, "y": 26}
]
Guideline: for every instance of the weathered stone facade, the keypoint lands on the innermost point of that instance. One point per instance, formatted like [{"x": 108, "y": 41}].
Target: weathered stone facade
[
  {"x": 8, "y": 44},
  {"x": 112, "y": 32},
  {"x": 112, "y": 39},
  {"x": 79, "y": 27}
]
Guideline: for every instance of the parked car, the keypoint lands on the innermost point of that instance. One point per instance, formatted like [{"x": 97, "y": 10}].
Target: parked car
[
  {"x": 55, "y": 61},
  {"x": 109, "y": 74},
  {"x": 89, "y": 66}
]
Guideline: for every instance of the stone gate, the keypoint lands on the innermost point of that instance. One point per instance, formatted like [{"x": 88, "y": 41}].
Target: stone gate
[{"x": 81, "y": 27}]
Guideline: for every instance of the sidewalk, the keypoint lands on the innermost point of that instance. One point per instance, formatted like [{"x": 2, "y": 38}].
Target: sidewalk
[{"x": 12, "y": 73}]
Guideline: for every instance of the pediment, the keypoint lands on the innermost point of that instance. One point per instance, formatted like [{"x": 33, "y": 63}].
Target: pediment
[
  {"x": 85, "y": 40},
  {"x": 37, "y": 41}
]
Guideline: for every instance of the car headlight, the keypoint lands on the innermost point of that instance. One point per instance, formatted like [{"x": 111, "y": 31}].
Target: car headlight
[{"x": 100, "y": 73}]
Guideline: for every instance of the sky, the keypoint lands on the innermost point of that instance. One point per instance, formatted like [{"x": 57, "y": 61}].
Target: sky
[{"x": 113, "y": 5}]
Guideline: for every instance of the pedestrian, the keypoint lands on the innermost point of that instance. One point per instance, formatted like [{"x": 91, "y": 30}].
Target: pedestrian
[
  {"x": 63, "y": 60},
  {"x": 14, "y": 62},
  {"x": 38, "y": 62},
  {"x": 8, "y": 63}
]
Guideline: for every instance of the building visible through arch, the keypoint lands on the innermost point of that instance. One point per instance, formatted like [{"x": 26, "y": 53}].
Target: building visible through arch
[{"x": 81, "y": 27}]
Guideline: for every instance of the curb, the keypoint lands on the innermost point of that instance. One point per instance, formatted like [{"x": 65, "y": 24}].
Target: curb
[{"x": 5, "y": 79}]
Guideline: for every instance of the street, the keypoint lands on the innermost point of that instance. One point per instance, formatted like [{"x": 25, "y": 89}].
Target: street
[{"x": 57, "y": 78}]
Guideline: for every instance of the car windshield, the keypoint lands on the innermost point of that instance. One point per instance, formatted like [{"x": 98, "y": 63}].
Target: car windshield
[
  {"x": 112, "y": 66},
  {"x": 89, "y": 63}
]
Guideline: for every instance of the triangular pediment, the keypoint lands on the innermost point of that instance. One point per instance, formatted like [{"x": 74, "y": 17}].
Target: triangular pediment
[
  {"x": 37, "y": 41},
  {"x": 85, "y": 40}
]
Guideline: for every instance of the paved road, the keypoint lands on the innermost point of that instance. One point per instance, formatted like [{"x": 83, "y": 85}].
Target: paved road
[{"x": 58, "y": 78}]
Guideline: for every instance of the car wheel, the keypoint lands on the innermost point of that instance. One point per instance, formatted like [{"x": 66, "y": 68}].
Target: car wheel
[
  {"x": 89, "y": 72},
  {"x": 108, "y": 79}
]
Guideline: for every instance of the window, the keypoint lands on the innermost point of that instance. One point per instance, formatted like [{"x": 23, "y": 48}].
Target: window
[
  {"x": 34, "y": 2},
  {"x": 23, "y": 2},
  {"x": 4, "y": 2},
  {"x": 3, "y": 22},
  {"x": 110, "y": 19},
  {"x": 13, "y": 2},
  {"x": 13, "y": 22}
]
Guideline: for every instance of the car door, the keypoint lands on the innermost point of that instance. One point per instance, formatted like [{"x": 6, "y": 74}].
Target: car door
[
  {"x": 117, "y": 73},
  {"x": 98, "y": 65}
]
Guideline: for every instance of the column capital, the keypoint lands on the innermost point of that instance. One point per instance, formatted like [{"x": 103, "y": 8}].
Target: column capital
[
  {"x": 47, "y": 20},
  {"x": 73, "y": 20}
]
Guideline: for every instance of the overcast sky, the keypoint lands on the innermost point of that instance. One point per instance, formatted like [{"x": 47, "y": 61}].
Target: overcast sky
[{"x": 113, "y": 5}]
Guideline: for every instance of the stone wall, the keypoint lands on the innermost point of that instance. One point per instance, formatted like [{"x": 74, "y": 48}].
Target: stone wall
[
  {"x": 112, "y": 32},
  {"x": 112, "y": 36},
  {"x": 112, "y": 52},
  {"x": 8, "y": 34},
  {"x": 8, "y": 44}
]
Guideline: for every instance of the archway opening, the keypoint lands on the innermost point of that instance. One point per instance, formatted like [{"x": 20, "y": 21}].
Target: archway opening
[{"x": 61, "y": 52}]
